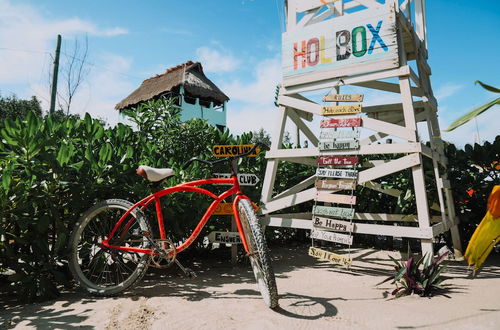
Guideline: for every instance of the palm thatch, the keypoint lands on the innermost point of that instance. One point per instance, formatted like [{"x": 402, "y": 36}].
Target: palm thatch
[{"x": 189, "y": 74}]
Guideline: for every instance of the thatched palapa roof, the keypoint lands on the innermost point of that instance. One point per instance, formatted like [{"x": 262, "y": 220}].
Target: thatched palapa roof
[{"x": 189, "y": 74}]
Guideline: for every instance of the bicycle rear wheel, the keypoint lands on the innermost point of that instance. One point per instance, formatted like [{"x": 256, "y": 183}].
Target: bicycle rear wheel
[
  {"x": 104, "y": 271},
  {"x": 258, "y": 253}
]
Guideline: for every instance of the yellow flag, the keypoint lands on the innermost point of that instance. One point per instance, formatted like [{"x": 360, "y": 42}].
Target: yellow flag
[{"x": 487, "y": 234}]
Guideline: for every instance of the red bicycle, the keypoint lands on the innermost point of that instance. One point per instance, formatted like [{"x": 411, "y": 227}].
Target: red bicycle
[{"x": 112, "y": 244}]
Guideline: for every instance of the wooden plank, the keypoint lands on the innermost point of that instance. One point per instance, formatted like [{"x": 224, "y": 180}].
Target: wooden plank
[
  {"x": 336, "y": 173},
  {"x": 310, "y": 135},
  {"x": 301, "y": 6},
  {"x": 330, "y": 256},
  {"x": 333, "y": 211},
  {"x": 378, "y": 187},
  {"x": 338, "y": 160},
  {"x": 335, "y": 185},
  {"x": 343, "y": 98},
  {"x": 389, "y": 129},
  {"x": 309, "y": 54},
  {"x": 338, "y": 145},
  {"x": 340, "y": 110},
  {"x": 303, "y": 105},
  {"x": 355, "y": 78},
  {"x": 233, "y": 150},
  {"x": 296, "y": 188},
  {"x": 224, "y": 237},
  {"x": 290, "y": 200},
  {"x": 341, "y": 122},
  {"x": 336, "y": 198},
  {"x": 333, "y": 224},
  {"x": 331, "y": 236},
  {"x": 388, "y": 168},
  {"x": 333, "y": 134},
  {"x": 371, "y": 149}
]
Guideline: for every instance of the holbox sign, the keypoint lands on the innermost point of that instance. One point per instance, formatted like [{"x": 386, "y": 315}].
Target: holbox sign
[{"x": 345, "y": 42}]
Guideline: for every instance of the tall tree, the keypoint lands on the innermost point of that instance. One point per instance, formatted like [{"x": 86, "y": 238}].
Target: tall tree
[{"x": 74, "y": 71}]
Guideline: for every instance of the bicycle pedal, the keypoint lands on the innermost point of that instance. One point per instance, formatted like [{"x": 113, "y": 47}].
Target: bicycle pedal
[{"x": 190, "y": 273}]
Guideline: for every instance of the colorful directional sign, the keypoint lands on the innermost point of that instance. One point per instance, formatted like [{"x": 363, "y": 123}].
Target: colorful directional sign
[
  {"x": 340, "y": 122},
  {"x": 336, "y": 173},
  {"x": 243, "y": 178},
  {"x": 343, "y": 98},
  {"x": 331, "y": 236},
  {"x": 340, "y": 110},
  {"x": 330, "y": 256},
  {"x": 233, "y": 150},
  {"x": 336, "y": 198},
  {"x": 333, "y": 224},
  {"x": 338, "y": 160},
  {"x": 224, "y": 237},
  {"x": 335, "y": 184},
  {"x": 334, "y": 212},
  {"x": 333, "y": 134},
  {"x": 338, "y": 145},
  {"x": 227, "y": 209}
]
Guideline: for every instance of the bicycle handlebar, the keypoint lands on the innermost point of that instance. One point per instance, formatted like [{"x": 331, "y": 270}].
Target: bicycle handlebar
[{"x": 213, "y": 162}]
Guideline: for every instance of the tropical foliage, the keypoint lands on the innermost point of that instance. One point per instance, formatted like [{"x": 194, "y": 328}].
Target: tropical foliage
[
  {"x": 476, "y": 112},
  {"x": 422, "y": 277}
]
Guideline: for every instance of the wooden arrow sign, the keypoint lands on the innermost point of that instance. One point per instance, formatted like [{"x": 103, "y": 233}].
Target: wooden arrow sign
[
  {"x": 340, "y": 110},
  {"x": 335, "y": 184},
  {"x": 243, "y": 178},
  {"x": 336, "y": 173},
  {"x": 332, "y": 224},
  {"x": 338, "y": 160},
  {"x": 330, "y": 256},
  {"x": 233, "y": 150},
  {"x": 334, "y": 134},
  {"x": 334, "y": 212},
  {"x": 227, "y": 209},
  {"x": 336, "y": 198},
  {"x": 331, "y": 236},
  {"x": 224, "y": 237},
  {"x": 343, "y": 98},
  {"x": 338, "y": 145},
  {"x": 340, "y": 122}
]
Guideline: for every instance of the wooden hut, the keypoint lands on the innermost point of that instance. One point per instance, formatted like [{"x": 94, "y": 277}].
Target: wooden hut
[{"x": 197, "y": 95}]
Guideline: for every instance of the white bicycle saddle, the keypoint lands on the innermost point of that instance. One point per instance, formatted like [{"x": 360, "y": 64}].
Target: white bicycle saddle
[{"x": 154, "y": 174}]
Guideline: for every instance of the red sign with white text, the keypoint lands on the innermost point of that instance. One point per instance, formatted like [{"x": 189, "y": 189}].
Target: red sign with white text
[
  {"x": 338, "y": 160},
  {"x": 341, "y": 122}
]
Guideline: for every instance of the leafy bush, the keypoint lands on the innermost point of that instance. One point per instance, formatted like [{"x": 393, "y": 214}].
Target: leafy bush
[
  {"x": 53, "y": 170},
  {"x": 414, "y": 280}
]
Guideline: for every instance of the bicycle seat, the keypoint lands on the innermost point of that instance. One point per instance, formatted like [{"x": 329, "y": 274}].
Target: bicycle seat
[{"x": 154, "y": 174}]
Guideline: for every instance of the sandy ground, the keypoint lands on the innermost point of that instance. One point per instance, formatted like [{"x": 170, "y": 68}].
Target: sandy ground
[{"x": 313, "y": 295}]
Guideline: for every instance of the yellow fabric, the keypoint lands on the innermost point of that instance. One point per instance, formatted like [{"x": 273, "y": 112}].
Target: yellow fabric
[{"x": 487, "y": 234}]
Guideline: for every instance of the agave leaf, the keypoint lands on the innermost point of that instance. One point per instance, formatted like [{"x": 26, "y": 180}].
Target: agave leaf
[
  {"x": 488, "y": 87},
  {"x": 386, "y": 280},
  {"x": 472, "y": 114},
  {"x": 396, "y": 262},
  {"x": 402, "y": 272}
]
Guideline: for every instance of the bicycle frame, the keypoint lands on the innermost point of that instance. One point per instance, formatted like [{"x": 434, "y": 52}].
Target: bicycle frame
[{"x": 184, "y": 187}]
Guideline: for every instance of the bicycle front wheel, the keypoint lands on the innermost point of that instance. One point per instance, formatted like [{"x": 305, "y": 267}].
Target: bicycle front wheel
[
  {"x": 258, "y": 253},
  {"x": 107, "y": 271}
]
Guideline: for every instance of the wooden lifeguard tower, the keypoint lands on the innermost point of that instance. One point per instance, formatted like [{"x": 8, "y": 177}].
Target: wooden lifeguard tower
[{"x": 377, "y": 45}]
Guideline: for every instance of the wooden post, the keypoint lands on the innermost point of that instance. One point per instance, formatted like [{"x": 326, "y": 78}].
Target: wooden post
[
  {"x": 54, "y": 76},
  {"x": 234, "y": 228}
]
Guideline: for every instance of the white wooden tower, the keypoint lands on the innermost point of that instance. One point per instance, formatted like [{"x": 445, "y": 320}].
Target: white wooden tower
[{"x": 375, "y": 45}]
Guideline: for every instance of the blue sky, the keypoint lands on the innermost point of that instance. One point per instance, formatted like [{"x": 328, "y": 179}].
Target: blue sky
[{"x": 238, "y": 43}]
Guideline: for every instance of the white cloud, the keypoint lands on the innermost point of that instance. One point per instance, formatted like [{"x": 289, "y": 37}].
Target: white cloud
[
  {"x": 447, "y": 90},
  {"x": 259, "y": 91},
  {"x": 214, "y": 61},
  {"x": 25, "y": 35}
]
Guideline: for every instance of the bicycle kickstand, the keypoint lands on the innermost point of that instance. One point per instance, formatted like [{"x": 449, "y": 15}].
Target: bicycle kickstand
[{"x": 187, "y": 271}]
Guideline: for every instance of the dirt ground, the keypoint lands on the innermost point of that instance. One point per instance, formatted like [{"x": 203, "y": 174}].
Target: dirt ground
[{"x": 313, "y": 295}]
